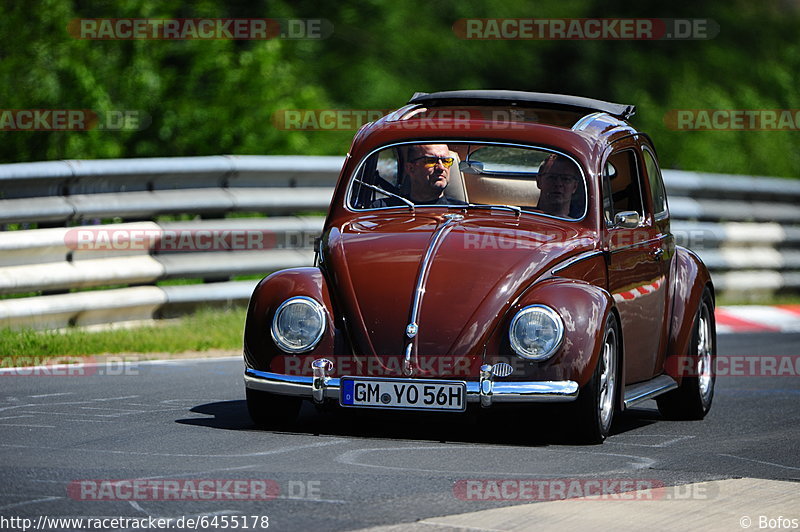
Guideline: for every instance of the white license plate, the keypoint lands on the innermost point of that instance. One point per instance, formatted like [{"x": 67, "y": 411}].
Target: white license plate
[{"x": 409, "y": 394}]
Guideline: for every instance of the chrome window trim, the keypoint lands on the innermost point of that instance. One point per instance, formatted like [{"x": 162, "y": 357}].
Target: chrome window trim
[
  {"x": 643, "y": 214},
  {"x": 662, "y": 215},
  {"x": 350, "y": 178}
]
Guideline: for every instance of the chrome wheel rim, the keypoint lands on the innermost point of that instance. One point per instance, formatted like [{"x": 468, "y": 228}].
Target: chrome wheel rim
[
  {"x": 705, "y": 350},
  {"x": 608, "y": 380}
]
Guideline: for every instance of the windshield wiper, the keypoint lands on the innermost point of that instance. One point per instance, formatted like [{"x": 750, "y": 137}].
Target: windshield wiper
[
  {"x": 517, "y": 210},
  {"x": 386, "y": 192}
]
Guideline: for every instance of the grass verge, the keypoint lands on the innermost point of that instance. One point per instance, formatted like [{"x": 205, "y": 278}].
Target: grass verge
[{"x": 204, "y": 330}]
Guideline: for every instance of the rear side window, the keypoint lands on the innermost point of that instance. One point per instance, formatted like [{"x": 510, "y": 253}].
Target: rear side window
[
  {"x": 621, "y": 190},
  {"x": 659, "y": 196}
]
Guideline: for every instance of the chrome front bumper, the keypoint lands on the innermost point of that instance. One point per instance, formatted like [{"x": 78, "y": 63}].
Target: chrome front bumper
[{"x": 485, "y": 391}]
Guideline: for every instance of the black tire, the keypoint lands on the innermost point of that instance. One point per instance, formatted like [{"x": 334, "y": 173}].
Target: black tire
[
  {"x": 270, "y": 411},
  {"x": 597, "y": 400},
  {"x": 692, "y": 400}
]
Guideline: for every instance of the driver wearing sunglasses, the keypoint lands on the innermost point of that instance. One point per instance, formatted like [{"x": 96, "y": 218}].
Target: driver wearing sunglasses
[{"x": 427, "y": 171}]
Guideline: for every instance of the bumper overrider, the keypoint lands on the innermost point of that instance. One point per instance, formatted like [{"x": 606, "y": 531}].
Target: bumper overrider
[{"x": 486, "y": 390}]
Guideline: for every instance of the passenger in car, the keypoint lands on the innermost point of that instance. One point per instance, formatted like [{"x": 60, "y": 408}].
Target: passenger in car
[
  {"x": 558, "y": 181},
  {"x": 427, "y": 170}
]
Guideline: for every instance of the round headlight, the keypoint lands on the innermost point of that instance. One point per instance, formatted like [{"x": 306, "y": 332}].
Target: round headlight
[
  {"x": 298, "y": 324},
  {"x": 536, "y": 332}
]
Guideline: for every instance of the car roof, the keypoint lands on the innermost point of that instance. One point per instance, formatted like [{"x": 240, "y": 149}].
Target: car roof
[
  {"x": 541, "y": 100},
  {"x": 581, "y": 126}
]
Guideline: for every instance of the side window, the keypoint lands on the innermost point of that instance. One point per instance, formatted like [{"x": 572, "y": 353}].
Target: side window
[
  {"x": 621, "y": 190},
  {"x": 656, "y": 185},
  {"x": 380, "y": 170}
]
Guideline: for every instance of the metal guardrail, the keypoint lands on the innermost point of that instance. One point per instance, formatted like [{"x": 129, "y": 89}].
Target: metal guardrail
[{"x": 746, "y": 229}]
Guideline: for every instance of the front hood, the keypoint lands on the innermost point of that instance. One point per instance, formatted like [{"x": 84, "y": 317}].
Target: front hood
[{"x": 477, "y": 267}]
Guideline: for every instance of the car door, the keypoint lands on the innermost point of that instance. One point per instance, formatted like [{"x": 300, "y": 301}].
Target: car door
[
  {"x": 636, "y": 273},
  {"x": 657, "y": 197}
]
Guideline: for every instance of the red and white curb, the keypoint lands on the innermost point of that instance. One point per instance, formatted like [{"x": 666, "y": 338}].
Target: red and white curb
[
  {"x": 758, "y": 318},
  {"x": 734, "y": 319}
]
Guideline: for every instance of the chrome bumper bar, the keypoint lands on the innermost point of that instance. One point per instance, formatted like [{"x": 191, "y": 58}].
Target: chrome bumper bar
[{"x": 485, "y": 391}]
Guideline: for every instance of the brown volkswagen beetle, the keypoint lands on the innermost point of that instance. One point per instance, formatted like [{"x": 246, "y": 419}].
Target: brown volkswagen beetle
[{"x": 488, "y": 247}]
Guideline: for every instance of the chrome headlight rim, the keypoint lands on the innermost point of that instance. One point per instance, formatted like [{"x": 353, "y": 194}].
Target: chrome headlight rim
[
  {"x": 276, "y": 334},
  {"x": 550, "y": 313}
]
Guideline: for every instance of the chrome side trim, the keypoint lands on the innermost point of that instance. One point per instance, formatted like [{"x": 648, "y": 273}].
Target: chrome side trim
[
  {"x": 502, "y": 392},
  {"x": 637, "y": 393},
  {"x": 425, "y": 266},
  {"x": 583, "y": 256}
]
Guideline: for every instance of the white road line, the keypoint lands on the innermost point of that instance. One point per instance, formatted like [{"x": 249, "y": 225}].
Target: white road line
[
  {"x": 65, "y": 413},
  {"x": 116, "y": 398},
  {"x": 29, "y": 426},
  {"x": 50, "y": 395},
  {"x": 139, "y": 508},
  {"x": 25, "y": 503},
  {"x": 82, "y": 365},
  {"x": 651, "y": 445},
  {"x": 115, "y": 451},
  {"x": 311, "y": 499},
  {"x": 674, "y": 440},
  {"x": 42, "y": 404},
  {"x": 178, "y": 361},
  {"x": 112, "y": 409},
  {"x": 351, "y": 457},
  {"x": 433, "y": 522},
  {"x": 761, "y": 462}
]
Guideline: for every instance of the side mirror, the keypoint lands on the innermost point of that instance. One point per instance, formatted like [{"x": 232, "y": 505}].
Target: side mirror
[{"x": 627, "y": 219}]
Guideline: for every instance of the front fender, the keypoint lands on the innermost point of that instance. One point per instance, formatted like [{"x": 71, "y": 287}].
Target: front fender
[
  {"x": 584, "y": 308},
  {"x": 260, "y": 352},
  {"x": 690, "y": 278}
]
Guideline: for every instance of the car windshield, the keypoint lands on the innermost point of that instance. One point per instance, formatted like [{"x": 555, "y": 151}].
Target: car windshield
[{"x": 530, "y": 179}]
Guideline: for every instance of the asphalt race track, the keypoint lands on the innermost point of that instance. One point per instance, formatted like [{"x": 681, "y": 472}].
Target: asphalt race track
[{"x": 185, "y": 421}]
